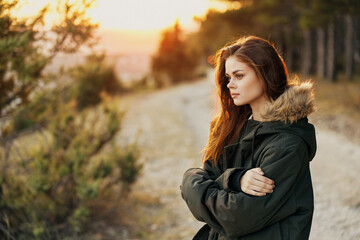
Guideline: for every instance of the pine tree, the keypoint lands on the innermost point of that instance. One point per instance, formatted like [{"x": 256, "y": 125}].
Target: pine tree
[
  {"x": 22, "y": 59},
  {"x": 172, "y": 63}
]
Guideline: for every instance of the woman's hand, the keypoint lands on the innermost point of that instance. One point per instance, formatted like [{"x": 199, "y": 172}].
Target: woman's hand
[{"x": 254, "y": 183}]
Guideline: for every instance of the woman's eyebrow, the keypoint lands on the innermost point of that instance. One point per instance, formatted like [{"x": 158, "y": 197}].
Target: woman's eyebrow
[{"x": 239, "y": 70}]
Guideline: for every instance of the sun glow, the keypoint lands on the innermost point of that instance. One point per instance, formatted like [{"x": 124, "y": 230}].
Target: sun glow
[
  {"x": 135, "y": 15},
  {"x": 146, "y": 14},
  {"x": 130, "y": 25}
]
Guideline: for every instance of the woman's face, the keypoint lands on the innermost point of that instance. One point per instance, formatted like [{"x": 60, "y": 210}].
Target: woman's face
[{"x": 244, "y": 85}]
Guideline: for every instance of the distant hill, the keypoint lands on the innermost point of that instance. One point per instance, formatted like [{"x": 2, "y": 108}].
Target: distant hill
[
  {"x": 116, "y": 42},
  {"x": 128, "y": 66},
  {"x": 129, "y": 52}
]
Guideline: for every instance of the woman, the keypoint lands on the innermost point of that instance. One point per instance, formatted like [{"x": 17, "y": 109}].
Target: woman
[{"x": 255, "y": 182}]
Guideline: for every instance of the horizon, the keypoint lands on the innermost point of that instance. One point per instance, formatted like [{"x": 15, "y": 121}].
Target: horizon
[{"x": 132, "y": 27}]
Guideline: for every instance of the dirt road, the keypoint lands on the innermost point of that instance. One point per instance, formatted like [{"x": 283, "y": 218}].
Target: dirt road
[{"x": 172, "y": 127}]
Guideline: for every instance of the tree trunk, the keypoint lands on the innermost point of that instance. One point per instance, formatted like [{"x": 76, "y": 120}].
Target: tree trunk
[
  {"x": 307, "y": 53},
  {"x": 289, "y": 48},
  {"x": 280, "y": 47},
  {"x": 289, "y": 60},
  {"x": 349, "y": 46},
  {"x": 357, "y": 41},
  {"x": 321, "y": 54},
  {"x": 313, "y": 52},
  {"x": 330, "y": 64}
]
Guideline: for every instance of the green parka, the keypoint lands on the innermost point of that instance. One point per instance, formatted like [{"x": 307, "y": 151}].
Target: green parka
[{"x": 282, "y": 146}]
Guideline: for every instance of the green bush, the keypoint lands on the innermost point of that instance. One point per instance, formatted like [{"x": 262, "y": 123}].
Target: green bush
[
  {"x": 91, "y": 80},
  {"x": 36, "y": 112},
  {"x": 77, "y": 170}
]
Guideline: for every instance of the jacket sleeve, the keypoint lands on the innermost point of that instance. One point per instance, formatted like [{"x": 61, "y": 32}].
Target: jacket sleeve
[
  {"x": 235, "y": 213},
  {"x": 213, "y": 170},
  {"x": 229, "y": 180}
]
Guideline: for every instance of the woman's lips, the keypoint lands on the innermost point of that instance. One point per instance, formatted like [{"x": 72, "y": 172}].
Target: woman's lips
[{"x": 234, "y": 95}]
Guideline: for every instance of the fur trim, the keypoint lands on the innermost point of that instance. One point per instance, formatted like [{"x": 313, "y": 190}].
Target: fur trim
[{"x": 295, "y": 103}]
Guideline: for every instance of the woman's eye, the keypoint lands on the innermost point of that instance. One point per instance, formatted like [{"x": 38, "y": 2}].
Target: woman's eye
[{"x": 239, "y": 76}]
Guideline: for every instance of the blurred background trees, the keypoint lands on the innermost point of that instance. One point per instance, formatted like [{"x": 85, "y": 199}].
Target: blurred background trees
[
  {"x": 59, "y": 163},
  {"x": 175, "y": 60},
  {"x": 314, "y": 37}
]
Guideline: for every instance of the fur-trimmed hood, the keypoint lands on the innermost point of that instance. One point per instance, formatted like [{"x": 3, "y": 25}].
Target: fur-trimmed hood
[
  {"x": 295, "y": 103},
  {"x": 287, "y": 114}
]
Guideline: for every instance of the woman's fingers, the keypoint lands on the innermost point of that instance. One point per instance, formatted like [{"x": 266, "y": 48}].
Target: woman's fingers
[
  {"x": 264, "y": 179},
  {"x": 262, "y": 189},
  {"x": 252, "y": 190},
  {"x": 258, "y": 170},
  {"x": 257, "y": 174},
  {"x": 255, "y": 193},
  {"x": 255, "y": 184},
  {"x": 260, "y": 176},
  {"x": 263, "y": 182}
]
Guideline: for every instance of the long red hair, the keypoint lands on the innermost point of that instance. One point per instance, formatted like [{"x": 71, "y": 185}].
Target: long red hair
[{"x": 262, "y": 57}]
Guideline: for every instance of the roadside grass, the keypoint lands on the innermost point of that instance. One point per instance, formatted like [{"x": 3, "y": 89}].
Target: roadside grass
[
  {"x": 135, "y": 217},
  {"x": 339, "y": 98},
  {"x": 338, "y": 105}
]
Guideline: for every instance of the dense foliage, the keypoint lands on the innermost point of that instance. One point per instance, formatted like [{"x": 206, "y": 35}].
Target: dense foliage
[
  {"x": 22, "y": 51},
  {"x": 93, "y": 79},
  {"x": 55, "y": 190},
  {"x": 174, "y": 60},
  {"x": 60, "y": 167},
  {"x": 321, "y": 37}
]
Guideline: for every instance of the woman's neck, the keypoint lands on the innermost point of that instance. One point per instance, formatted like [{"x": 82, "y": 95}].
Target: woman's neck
[
  {"x": 256, "y": 117},
  {"x": 257, "y": 108}
]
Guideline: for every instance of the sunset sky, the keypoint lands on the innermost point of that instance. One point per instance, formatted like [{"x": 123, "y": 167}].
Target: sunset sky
[
  {"x": 136, "y": 14},
  {"x": 134, "y": 25},
  {"x": 149, "y": 14}
]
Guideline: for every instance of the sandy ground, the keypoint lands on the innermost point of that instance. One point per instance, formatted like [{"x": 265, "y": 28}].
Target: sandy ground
[{"x": 171, "y": 127}]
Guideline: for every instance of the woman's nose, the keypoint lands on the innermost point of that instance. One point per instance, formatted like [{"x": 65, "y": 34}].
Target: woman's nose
[{"x": 230, "y": 83}]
